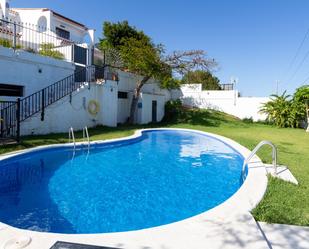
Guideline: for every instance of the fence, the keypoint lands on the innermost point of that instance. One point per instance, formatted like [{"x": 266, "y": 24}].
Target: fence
[
  {"x": 35, "y": 39},
  {"x": 5, "y": 104},
  {"x": 226, "y": 87},
  {"x": 8, "y": 117}
]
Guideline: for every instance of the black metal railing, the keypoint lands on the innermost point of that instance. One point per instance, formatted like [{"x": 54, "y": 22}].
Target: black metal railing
[
  {"x": 226, "y": 87},
  {"x": 16, "y": 112},
  {"x": 38, "y": 101},
  {"x": 38, "y": 39},
  {"x": 5, "y": 104},
  {"x": 106, "y": 73},
  {"x": 8, "y": 121}
]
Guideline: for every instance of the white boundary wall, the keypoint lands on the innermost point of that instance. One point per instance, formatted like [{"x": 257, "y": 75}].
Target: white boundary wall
[
  {"x": 32, "y": 71},
  {"x": 225, "y": 101}
]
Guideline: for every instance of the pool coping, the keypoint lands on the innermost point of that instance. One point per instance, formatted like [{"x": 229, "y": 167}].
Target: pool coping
[{"x": 238, "y": 205}]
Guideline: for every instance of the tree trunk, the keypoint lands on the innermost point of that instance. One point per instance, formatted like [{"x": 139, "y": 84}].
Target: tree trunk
[{"x": 136, "y": 95}]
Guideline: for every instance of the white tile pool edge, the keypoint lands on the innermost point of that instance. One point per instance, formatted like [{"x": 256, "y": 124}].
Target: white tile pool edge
[{"x": 244, "y": 200}]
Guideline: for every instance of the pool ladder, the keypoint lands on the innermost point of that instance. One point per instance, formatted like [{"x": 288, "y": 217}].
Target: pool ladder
[
  {"x": 72, "y": 137},
  {"x": 256, "y": 149},
  {"x": 85, "y": 137}
]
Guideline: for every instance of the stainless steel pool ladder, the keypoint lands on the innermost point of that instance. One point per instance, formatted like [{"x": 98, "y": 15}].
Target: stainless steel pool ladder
[
  {"x": 253, "y": 153},
  {"x": 86, "y": 136},
  {"x": 72, "y": 137}
]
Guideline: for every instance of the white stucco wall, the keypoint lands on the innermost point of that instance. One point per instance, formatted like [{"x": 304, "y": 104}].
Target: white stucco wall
[
  {"x": 150, "y": 91},
  {"x": 35, "y": 17},
  {"x": 77, "y": 33},
  {"x": 146, "y": 108},
  {"x": 62, "y": 115},
  {"x": 225, "y": 101},
  {"x": 35, "y": 72},
  {"x": 123, "y": 112},
  {"x": 32, "y": 71}
]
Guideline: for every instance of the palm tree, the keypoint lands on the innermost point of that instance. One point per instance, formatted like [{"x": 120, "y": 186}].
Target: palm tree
[{"x": 278, "y": 110}]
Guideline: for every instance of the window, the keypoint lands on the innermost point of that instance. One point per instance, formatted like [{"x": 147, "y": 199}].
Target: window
[
  {"x": 63, "y": 33},
  {"x": 11, "y": 90},
  {"x": 122, "y": 95},
  {"x": 42, "y": 24}
]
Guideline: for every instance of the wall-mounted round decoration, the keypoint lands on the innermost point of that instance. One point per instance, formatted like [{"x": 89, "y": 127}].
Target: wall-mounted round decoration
[{"x": 93, "y": 107}]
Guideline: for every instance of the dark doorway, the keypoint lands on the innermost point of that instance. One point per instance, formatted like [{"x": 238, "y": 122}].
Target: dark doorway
[
  {"x": 154, "y": 111},
  {"x": 79, "y": 54}
]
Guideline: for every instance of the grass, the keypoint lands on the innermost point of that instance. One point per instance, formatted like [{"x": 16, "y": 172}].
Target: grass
[{"x": 283, "y": 202}]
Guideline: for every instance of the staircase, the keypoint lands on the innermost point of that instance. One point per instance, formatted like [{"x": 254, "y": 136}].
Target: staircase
[{"x": 13, "y": 113}]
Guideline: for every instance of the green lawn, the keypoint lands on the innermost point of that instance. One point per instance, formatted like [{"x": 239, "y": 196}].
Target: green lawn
[{"x": 283, "y": 202}]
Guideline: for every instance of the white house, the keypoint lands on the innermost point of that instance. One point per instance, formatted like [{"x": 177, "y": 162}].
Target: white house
[
  {"x": 33, "y": 28},
  {"x": 47, "y": 19}
]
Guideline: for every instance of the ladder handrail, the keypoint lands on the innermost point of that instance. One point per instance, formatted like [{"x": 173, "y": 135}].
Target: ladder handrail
[
  {"x": 86, "y": 136},
  {"x": 255, "y": 150},
  {"x": 71, "y": 136}
]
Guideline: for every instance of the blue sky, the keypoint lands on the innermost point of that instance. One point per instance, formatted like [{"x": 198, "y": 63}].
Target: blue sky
[{"x": 254, "y": 41}]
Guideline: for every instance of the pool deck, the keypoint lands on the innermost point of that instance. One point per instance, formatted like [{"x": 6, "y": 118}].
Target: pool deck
[
  {"x": 286, "y": 236},
  {"x": 229, "y": 225},
  {"x": 234, "y": 231}
]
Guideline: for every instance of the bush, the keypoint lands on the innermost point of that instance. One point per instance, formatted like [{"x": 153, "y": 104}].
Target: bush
[
  {"x": 173, "y": 109},
  {"x": 248, "y": 120},
  {"x": 284, "y": 111},
  {"x": 48, "y": 49},
  {"x": 6, "y": 43}
]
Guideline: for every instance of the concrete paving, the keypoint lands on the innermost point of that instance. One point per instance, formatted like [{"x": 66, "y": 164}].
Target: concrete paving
[
  {"x": 286, "y": 236},
  {"x": 283, "y": 173},
  {"x": 233, "y": 231}
]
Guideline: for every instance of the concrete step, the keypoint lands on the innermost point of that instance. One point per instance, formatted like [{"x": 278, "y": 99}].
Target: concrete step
[{"x": 283, "y": 173}]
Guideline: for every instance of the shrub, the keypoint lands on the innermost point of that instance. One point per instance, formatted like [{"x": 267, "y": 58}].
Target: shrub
[
  {"x": 284, "y": 111},
  {"x": 6, "y": 43},
  {"x": 248, "y": 120},
  {"x": 48, "y": 49},
  {"x": 173, "y": 109}
]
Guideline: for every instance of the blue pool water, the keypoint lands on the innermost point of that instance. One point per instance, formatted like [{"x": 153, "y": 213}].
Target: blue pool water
[{"x": 162, "y": 177}]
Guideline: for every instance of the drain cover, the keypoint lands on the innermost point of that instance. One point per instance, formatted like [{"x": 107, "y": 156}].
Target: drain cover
[
  {"x": 17, "y": 243},
  {"x": 67, "y": 245}
]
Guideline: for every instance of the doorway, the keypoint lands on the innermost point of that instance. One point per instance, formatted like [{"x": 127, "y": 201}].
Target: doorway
[{"x": 154, "y": 111}]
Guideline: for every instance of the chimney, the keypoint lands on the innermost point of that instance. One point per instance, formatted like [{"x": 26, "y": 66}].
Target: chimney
[{"x": 5, "y": 7}]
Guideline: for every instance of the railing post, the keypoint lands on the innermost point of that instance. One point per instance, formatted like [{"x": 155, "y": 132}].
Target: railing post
[
  {"x": 18, "y": 120},
  {"x": 43, "y": 105},
  {"x": 14, "y": 36},
  {"x": 104, "y": 62},
  {"x": 2, "y": 123}
]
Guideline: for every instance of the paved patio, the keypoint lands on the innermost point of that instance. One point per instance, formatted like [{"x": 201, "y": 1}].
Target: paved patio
[{"x": 285, "y": 236}]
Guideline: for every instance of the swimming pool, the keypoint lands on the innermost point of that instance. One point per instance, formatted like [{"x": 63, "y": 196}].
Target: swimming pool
[{"x": 162, "y": 177}]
